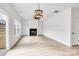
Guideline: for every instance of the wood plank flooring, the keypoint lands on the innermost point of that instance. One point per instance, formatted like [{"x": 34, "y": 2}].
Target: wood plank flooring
[
  {"x": 41, "y": 46},
  {"x": 2, "y": 39}
]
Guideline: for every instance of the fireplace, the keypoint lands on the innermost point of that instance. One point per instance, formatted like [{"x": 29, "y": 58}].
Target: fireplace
[{"x": 33, "y": 32}]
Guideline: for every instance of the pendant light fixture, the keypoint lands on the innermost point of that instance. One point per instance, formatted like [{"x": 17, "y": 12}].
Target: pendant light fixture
[{"x": 38, "y": 13}]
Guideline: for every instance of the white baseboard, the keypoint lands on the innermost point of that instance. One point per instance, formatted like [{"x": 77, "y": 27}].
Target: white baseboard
[{"x": 58, "y": 41}]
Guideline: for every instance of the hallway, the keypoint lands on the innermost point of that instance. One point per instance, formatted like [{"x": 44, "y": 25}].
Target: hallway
[{"x": 41, "y": 46}]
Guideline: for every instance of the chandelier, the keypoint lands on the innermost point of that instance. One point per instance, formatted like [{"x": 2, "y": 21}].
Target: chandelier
[{"x": 38, "y": 13}]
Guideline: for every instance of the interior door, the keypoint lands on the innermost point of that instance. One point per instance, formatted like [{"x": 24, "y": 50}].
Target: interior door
[{"x": 75, "y": 33}]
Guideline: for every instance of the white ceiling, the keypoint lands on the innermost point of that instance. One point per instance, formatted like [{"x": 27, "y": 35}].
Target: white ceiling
[{"x": 26, "y": 10}]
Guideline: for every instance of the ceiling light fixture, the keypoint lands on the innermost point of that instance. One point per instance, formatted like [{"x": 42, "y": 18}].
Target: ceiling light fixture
[
  {"x": 56, "y": 11},
  {"x": 38, "y": 13}
]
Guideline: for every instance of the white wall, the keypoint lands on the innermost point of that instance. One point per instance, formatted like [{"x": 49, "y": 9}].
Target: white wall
[
  {"x": 24, "y": 27},
  {"x": 12, "y": 16},
  {"x": 32, "y": 23},
  {"x": 58, "y": 26},
  {"x": 40, "y": 27},
  {"x": 27, "y": 24}
]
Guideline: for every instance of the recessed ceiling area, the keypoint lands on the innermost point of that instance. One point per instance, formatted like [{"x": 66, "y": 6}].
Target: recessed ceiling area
[{"x": 26, "y": 10}]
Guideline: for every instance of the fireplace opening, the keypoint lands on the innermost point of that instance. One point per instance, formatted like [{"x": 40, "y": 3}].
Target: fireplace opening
[{"x": 33, "y": 32}]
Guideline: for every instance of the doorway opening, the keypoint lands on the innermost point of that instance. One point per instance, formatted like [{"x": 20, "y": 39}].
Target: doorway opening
[{"x": 2, "y": 31}]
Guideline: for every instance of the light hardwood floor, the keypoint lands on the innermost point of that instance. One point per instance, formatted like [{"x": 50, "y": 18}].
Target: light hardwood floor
[
  {"x": 2, "y": 40},
  {"x": 2, "y": 36},
  {"x": 41, "y": 46}
]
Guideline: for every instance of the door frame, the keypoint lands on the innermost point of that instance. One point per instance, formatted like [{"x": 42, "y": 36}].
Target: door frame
[{"x": 4, "y": 12}]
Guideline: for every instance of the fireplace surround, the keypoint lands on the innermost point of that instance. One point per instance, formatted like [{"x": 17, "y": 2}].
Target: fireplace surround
[{"x": 33, "y": 32}]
